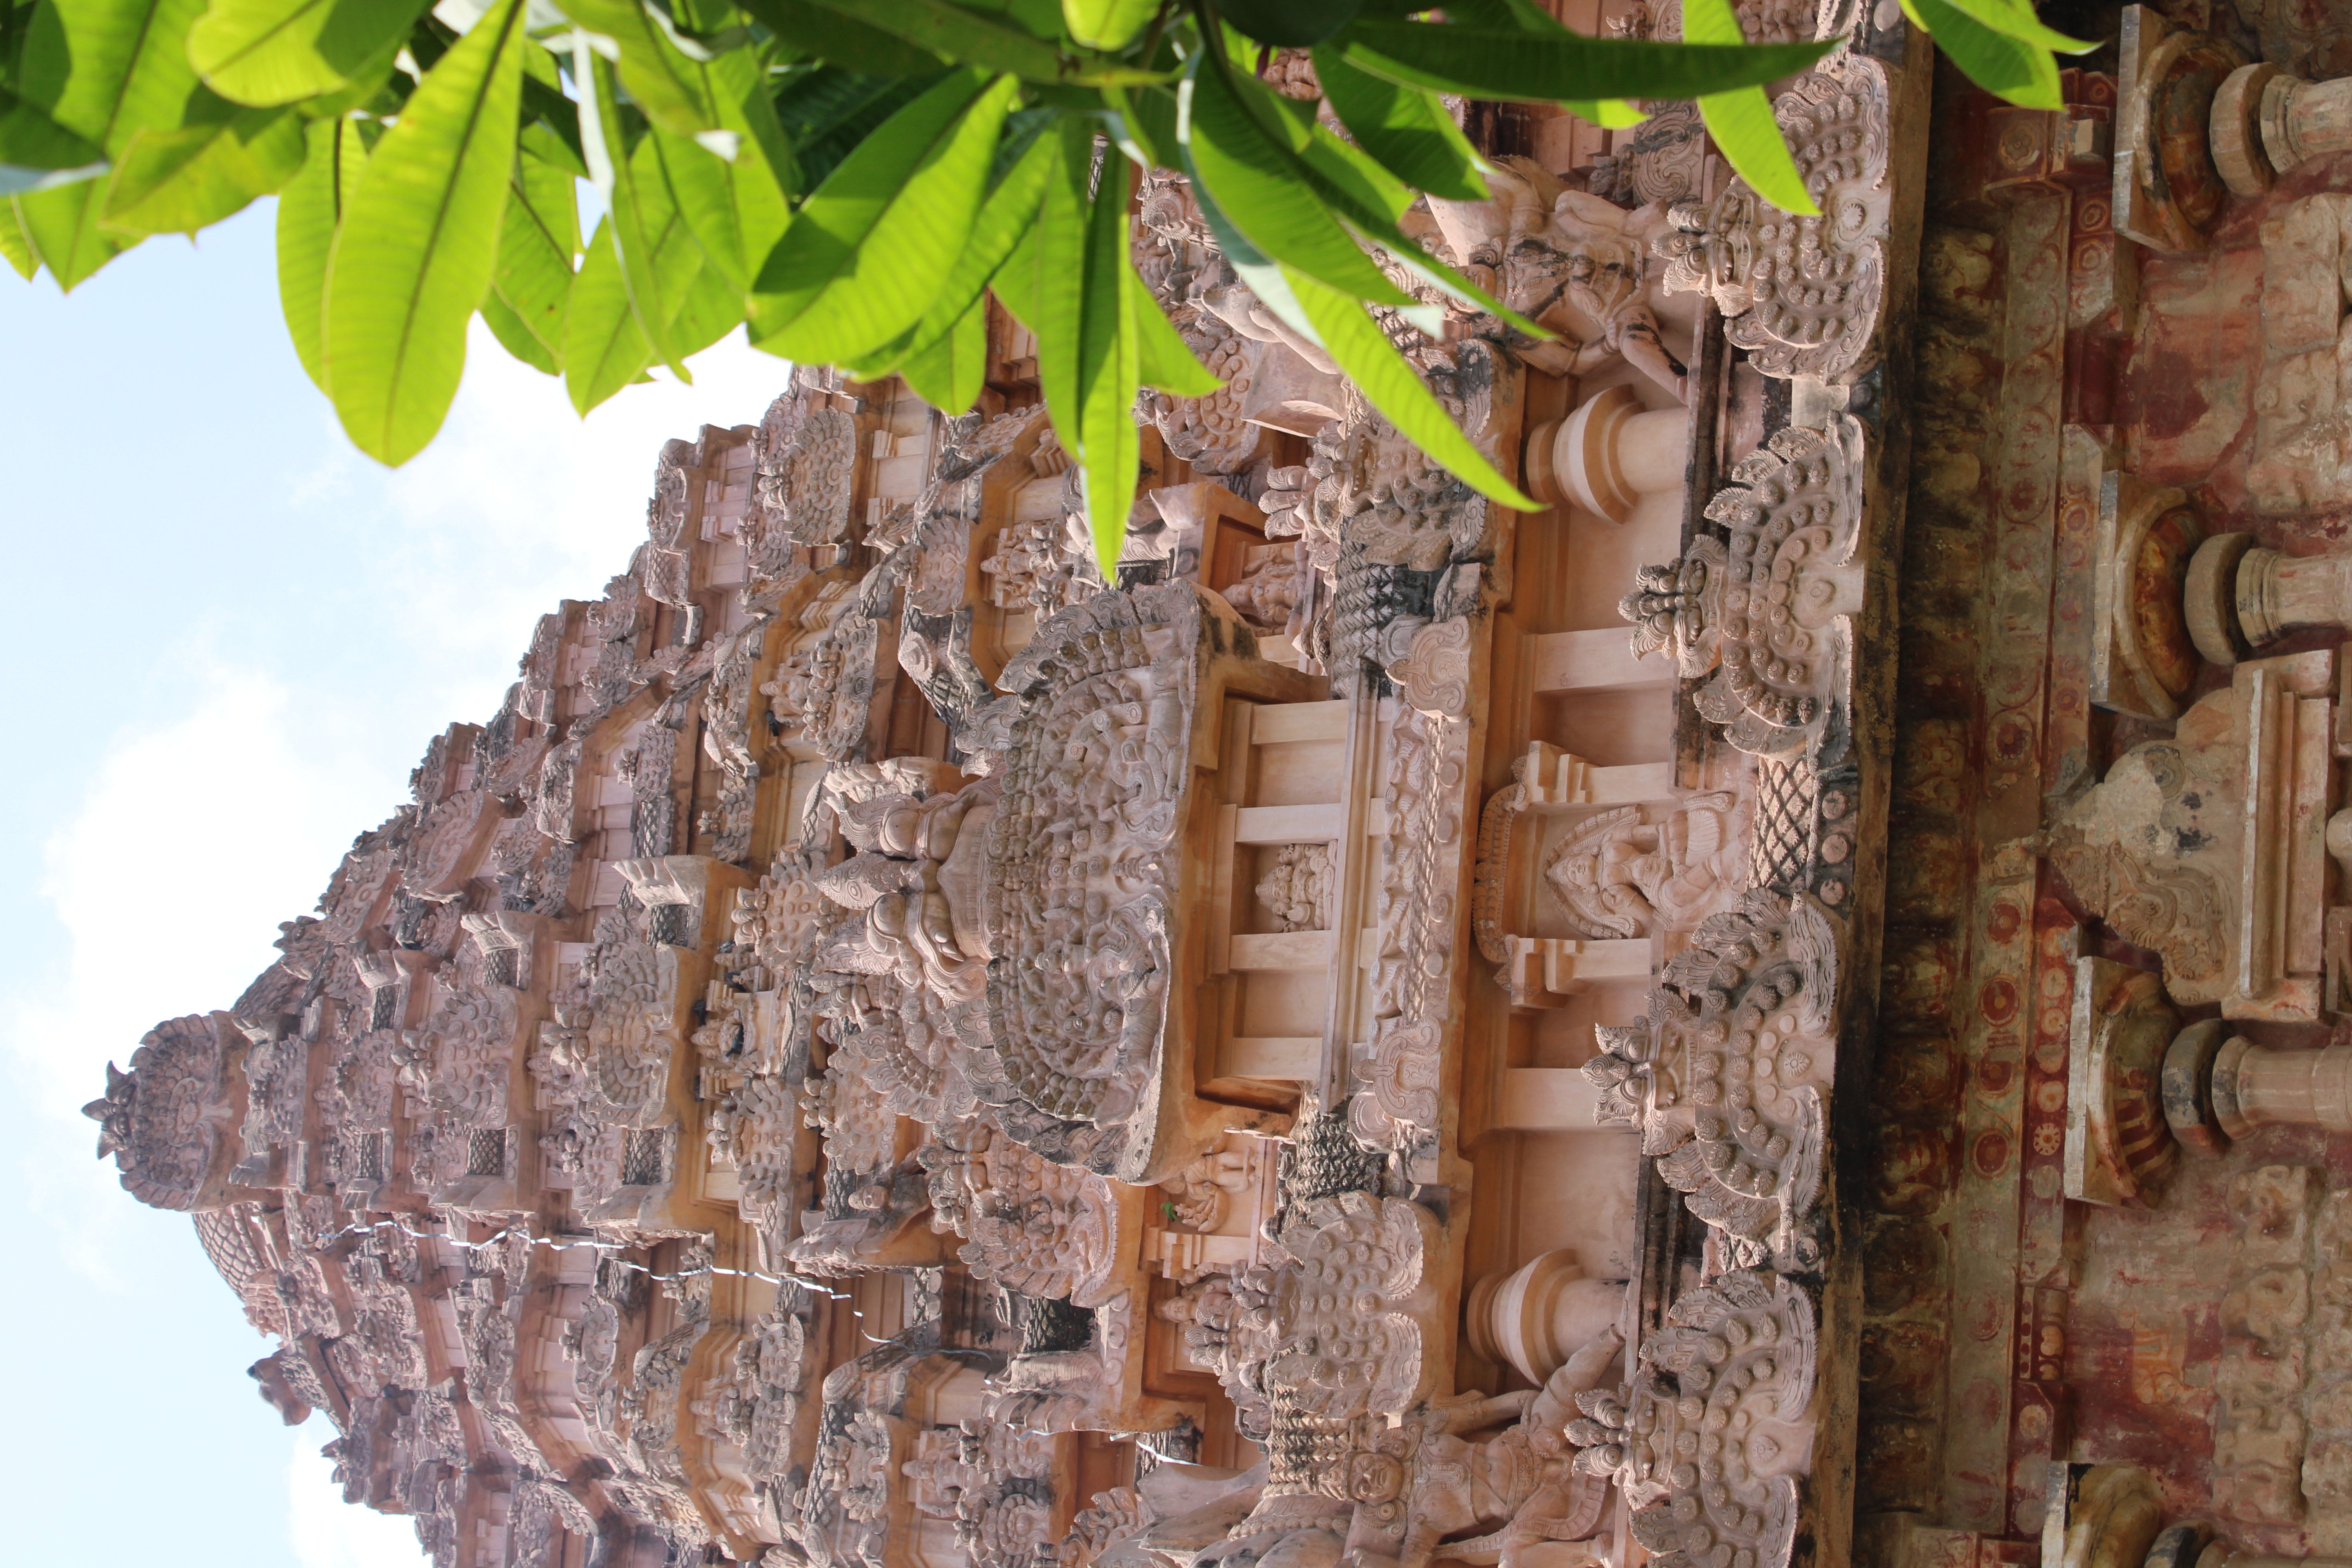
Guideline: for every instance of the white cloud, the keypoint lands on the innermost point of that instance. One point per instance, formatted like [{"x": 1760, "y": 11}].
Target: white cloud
[
  {"x": 324, "y": 1530},
  {"x": 519, "y": 502},
  {"x": 195, "y": 837},
  {"x": 192, "y": 841}
]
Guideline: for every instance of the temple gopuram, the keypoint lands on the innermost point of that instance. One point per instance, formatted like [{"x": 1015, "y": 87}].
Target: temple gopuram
[{"x": 1792, "y": 1007}]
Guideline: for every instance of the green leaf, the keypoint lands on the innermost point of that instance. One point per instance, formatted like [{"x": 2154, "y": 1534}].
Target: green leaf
[
  {"x": 515, "y": 337},
  {"x": 870, "y": 248},
  {"x": 1741, "y": 122},
  {"x": 604, "y": 350},
  {"x": 1004, "y": 218},
  {"x": 947, "y": 371},
  {"x": 551, "y": 121},
  {"x": 969, "y": 39},
  {"x": 308, "y": 210},
  {"x": 105, "y": 70},
  {"x": 177, "y": 182},
  {"x": 1162, "y": 358},
  {"x": 1052, "y": 299},
  {"x": 1384, "y": 377},
  {"x": 418, "y": 243},
  {"x": 2015, "y": 19},
  {"x": 268, "y": 52},
  {"x": 818, "y": 32},
  {"x": 1609, "y": 113},
  {"x": 1368, "y": 200},
  {"x": 2001, "y": 65},
  {"x": 1107, "y": 24},
  {"x": 1144, "y": 124},
  {"x": 1258, "y": 185},
  {"x": 1110, "y": 449},
  {"x": 18, "y": 254},
  {"x": 826, "y": 114},
  {"x": 1559, "y": 66},
  {"x": 673, "y": 89},
  {"x": 536, "y": 245},
  {"x": 733, "y": 208},
  {"x": 635, "y": 188},
  {"x": 1406, "y": 128},
  {"x": 36, "y": 152},
  {"x": 1288, "y": 24}
]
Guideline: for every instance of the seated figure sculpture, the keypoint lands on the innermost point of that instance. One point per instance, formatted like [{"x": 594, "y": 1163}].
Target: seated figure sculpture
[
  {"x": 1548, "y": 251},
  {"x": 1516, "y": 1489},
  {"x": 917, "y": 876}
]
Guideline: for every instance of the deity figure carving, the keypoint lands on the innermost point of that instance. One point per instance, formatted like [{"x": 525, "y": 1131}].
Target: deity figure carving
[
  {"x": 1619, "y": 876},
  {"x": 921, "y": 864},
  {"x": 1298, "y": 887},
  {"x": 1557, "y": 257},
  {"x": 1430, "y": 1488}
]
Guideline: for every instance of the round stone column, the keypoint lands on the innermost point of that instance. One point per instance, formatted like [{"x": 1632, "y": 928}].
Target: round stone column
[{"x": 1608, "y": 454}]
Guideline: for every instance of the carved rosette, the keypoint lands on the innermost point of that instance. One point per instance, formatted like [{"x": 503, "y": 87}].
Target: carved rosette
[
  {"x": 1803, "y": 294},
  {"x": 464, "y": 1052},
  {"x": 1712, "y": 1443},
  {"x": 806, "y": 452},
  {"x": 1768, "y": 610},
  {"x": 1031, "y": 1226},
  {"x": 1725, "y": 1078},
  {"x": 632, "y": 1034},
  {"x": 1331, "y": 1326},
  {"x": 823, "y": 688}
]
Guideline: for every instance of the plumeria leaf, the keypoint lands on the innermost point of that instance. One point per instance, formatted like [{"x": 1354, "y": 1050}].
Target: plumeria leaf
[
  {"x": 1406, "y": 128},
  {"x": 1741, "y": 121},
  {"x": 869, "y": 249},
  {"x": 268, "y": 52},
  {"x": 1107, "y": 24},
  {"x": 418, "y": 243},
  {"x": 1390, "y": 384},
  {"x": 1561, "y": 67},
  {"x": 2003, "y": 66},
  {"x": 308, "y": 210}
]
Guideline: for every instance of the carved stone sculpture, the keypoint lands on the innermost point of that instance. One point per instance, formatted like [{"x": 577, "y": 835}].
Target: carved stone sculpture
[
  {"x": 1617, "y": 875},
  {"x": 1769, "y": 613},
  {"x": 1803, "y": 294},
  {"x": 1725, "y": 1079}
]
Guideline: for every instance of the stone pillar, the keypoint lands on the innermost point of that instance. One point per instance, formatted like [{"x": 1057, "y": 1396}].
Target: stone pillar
[
  {"x": 2266, "y": 122},
  {"x": 1540, "y": 1313},
  {"x": 2218, "y": 1088},
  {"x": 1608, "y": 454},
  {"x": 2242, "y": 597}
]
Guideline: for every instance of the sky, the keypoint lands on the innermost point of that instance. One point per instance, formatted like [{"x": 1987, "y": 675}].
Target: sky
[{"x": 238, "y": 636}]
